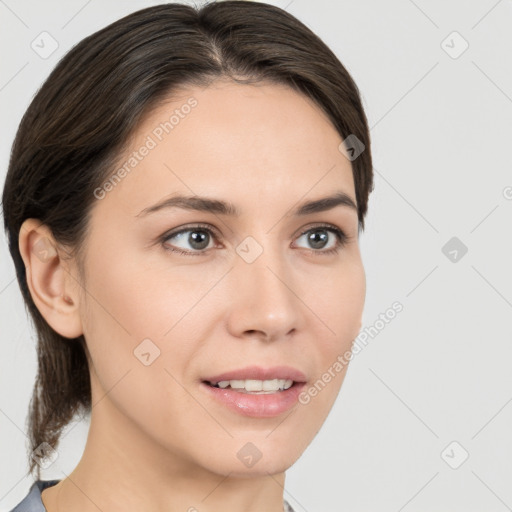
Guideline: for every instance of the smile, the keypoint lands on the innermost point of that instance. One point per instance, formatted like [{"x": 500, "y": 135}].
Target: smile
[
  {"x": 256, "y": 391},
  {"x": 255, "y": 386}
]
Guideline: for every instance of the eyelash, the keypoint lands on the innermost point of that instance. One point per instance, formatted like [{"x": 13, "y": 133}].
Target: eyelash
[{"x": 341, "y": 239}]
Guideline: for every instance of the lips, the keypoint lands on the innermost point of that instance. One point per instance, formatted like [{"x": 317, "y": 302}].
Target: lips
[
  {"x": 259, "y": 373},
  {"x": 256, "y": 404}
]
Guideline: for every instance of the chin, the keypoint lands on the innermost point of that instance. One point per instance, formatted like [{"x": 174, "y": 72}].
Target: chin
[
  {"x": 258, "y": 458},
  {"x": 260, "y": 469}
]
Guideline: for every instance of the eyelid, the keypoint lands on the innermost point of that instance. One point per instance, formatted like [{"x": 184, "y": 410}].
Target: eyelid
[
  {"x": 197, "y": 225},
  {"x": 325, "y": 225}
]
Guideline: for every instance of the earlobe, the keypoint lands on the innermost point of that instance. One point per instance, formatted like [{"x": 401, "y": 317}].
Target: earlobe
[{"x": 53, "y": 288}]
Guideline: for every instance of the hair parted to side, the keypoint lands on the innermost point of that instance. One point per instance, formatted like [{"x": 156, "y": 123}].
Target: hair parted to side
[{"x": 83, "y": 115}]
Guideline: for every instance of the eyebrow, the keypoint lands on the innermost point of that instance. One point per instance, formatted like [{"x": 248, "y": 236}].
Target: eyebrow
[{"x": 205, "y": 204}]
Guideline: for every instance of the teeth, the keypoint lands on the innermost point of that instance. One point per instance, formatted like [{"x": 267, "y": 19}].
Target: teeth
[{"x": 251, "y": 385}]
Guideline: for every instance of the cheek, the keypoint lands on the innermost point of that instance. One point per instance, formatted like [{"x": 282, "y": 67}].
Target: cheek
[
  {"x": 340, "y": 306},
  {"x": 339, "y": 301},
  {"x": 135, "y": 311},
  {"x": 129, "y": 297},
  {"x": 127, "y": 314},
  {"x": 175, "y": 307}
]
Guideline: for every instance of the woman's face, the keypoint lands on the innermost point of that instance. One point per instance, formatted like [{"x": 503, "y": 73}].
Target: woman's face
[{"x": 267, "y": 292}]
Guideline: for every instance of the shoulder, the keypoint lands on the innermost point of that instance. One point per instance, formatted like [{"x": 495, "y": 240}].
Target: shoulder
[{"x": 32, "y": 501}]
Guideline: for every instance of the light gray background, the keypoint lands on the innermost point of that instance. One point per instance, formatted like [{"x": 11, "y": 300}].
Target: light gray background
[{"x": 440, "y": 371}]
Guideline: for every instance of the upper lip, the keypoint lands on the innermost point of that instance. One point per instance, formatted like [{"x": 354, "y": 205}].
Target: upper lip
[{"x": 260, "y": 373}]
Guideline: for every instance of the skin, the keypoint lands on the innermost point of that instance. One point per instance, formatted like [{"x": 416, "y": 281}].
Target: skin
[{"x": 156, "y": 440}]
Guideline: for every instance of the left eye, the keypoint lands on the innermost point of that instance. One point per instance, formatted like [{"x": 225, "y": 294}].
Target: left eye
[
  {"x": 318, "y": 238},
  {"x": 199, "y": 238}
]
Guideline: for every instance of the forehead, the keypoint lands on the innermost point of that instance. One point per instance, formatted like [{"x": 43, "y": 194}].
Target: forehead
[{"x": 244, "y": 143}]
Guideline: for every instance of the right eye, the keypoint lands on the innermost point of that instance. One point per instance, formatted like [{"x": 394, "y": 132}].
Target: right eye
[{"x": 196, "y": 237}]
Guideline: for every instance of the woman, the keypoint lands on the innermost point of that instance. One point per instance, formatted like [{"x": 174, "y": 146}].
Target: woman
[{"x": 183, "y": 205}]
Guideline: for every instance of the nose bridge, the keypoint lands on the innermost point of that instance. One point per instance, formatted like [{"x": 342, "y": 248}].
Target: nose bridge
[{"x": 265, "y": 300}]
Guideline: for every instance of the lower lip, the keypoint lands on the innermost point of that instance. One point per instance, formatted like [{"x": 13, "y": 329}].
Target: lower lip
[{"x": 262, "y": 405}]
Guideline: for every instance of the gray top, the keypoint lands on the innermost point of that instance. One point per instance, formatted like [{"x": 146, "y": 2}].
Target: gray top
[{"x": 32, "y": 502}]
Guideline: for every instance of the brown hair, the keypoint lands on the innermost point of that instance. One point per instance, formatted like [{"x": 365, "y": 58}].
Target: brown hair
[{"x": 83, "y": 115}]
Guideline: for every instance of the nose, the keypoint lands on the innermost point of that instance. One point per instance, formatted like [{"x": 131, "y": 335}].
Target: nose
[{"x": 265, "y": 303}]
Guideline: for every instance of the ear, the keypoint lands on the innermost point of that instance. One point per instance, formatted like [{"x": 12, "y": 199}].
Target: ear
[{"x": 51, "y": 278}]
